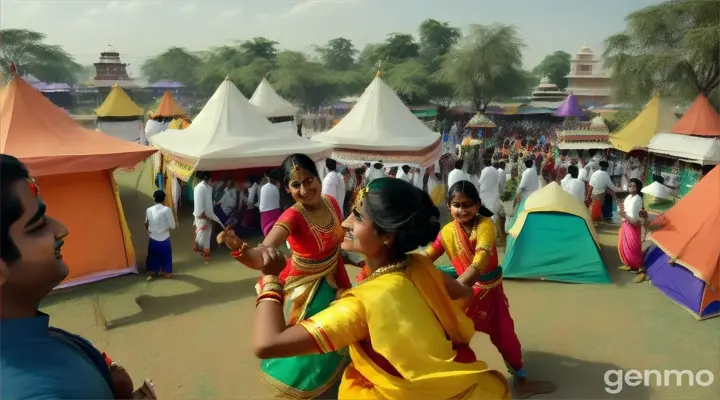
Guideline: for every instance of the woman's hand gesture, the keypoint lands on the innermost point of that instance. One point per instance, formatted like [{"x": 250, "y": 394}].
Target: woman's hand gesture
[
  {"x": 273, "y": 261},
  {"x": 229, "y": 239}
]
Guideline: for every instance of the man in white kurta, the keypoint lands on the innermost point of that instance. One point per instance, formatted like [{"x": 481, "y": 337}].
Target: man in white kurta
[
  {"x": 529, "y": 182},
  {"x": 488, "y": 187},
  {"x": 457, "y": 174},
  {"x": 403, "y": 173},
  {"x": 204, "y": 214},
  {"x": 334, "y": 184},
  {"x": 574, "y": 186},
  {"x": 417, "y": 178},
  {"x": 374, "y": 172}
]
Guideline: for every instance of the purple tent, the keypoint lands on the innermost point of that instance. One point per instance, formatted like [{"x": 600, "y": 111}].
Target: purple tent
[
  {"x": 680, "y": 285},
  {"x": 165, "y": 84},
  {"x": 569, "y": 108}
]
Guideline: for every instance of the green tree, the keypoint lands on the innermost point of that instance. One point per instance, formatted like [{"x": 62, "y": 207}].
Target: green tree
[
  {"x": 26, "y": 48},
  {"x": 303, "y": 81},
  {"x": 486, "y": 65},
  {"x": 370, "y": 56},
  {"x": 436, "y": 39},
  {"x": 175, "y": 64},
  {"x": 556, "y": 66},
  {"x": 398, "y": 47},
  {"x": 338, "y": 54},
  {"x": 672, "y": 47},
  {"x": 259, "y": 47},
  {"x": 248, "y": 77},
  {"x": 411, "y": 81}
]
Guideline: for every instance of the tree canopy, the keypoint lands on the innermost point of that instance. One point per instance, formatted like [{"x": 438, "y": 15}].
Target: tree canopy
[
  {"x": 487, "y": 65},
  {"x": 670, "y": 47},
  {"x": 556, "y": 66},
  {"x": 28, "y": 50}
]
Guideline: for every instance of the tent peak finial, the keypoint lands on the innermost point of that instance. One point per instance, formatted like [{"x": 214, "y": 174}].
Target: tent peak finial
[
  {"x": 378, "y": 74},
  {"x": 13, "y": 69}
]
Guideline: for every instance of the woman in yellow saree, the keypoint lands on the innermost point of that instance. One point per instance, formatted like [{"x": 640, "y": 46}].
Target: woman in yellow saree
[{"x": 404, "y": 324}]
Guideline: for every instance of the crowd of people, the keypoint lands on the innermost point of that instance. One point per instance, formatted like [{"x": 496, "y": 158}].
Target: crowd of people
[{"x": 318, "y": 335}]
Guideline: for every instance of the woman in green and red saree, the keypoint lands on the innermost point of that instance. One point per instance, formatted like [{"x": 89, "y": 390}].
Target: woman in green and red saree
[
  {"x": 469, "y": 241},
  {"x": 312, "y": 277}
]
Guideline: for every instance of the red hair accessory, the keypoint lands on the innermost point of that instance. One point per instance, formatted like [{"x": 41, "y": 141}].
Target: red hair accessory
[{"x": 33, "y": 187}]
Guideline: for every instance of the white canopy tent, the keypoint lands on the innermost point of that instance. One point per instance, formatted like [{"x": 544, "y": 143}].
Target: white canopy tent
[
  {"x": 230, "y": 133},
  {"x": 693, "y": 149},
  {"x": 270, "y": 103},
  {"x": 381, "y": 127}
]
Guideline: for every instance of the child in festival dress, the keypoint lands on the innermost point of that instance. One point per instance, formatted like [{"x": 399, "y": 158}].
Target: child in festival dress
[{"x": 469, "y": 241}]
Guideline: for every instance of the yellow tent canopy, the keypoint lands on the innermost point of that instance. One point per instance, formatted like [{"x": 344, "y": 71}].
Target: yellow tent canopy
[
  {"x": 552, "y": 198},
  {"x": 168, "y": 107},
  {"x": 119, "y": 104},
  {"x": 656, "y": 117}
]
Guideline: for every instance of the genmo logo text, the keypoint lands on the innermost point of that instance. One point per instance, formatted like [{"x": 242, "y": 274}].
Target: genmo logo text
[{"x": 616, "y": 379}]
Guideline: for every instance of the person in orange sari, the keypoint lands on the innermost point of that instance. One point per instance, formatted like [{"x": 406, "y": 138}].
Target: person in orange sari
[
  {"x": 469, "y": 241},
  {"x": 406, "y": 336},
  {"x": 311, "y": 278}
]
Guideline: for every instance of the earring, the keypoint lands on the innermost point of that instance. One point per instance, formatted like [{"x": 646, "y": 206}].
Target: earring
[{"x": 385, "y": 242}]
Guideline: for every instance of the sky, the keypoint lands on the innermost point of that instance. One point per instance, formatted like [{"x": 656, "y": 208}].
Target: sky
[{"x": 139, "y": 29}]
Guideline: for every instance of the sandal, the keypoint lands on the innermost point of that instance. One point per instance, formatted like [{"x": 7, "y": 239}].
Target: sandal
[{"x": 624, "y": 268}]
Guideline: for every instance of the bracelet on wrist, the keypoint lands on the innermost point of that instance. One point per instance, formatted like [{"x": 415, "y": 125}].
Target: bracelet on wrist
[
  {"x": 278, "y": 302},
  {"x": 239, "y": 252}
]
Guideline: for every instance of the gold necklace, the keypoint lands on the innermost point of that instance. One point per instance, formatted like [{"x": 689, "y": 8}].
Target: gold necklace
[
  {"x": 312, "y": 219},
  {"x": 388, "y": 269}
]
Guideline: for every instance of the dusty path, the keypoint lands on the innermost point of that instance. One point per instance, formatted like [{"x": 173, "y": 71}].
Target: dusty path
[{"x": 191, "y": 334}]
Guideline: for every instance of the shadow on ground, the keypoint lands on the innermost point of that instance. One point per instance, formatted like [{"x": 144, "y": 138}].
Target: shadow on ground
[
  {"x": 208, "y": 294},
  {"x": 588, "y": 378}
]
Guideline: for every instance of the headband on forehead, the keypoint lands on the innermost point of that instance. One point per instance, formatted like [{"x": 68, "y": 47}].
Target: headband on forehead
[
  {"x": 361, "y": 196},
  {"x": 297, "y": 173},
  {"x": 34, "y": 189}
]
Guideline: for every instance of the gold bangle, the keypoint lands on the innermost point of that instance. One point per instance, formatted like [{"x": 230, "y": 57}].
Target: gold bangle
[
  {"x": 272, "y": 287},
  {"x": 271, "y": 279},
  {"x": 270, "y": 293},
  {"x": 269, "y": 299}
]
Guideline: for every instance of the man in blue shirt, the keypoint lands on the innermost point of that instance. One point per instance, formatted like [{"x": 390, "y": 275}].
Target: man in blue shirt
[{"x": 38, "y": 361}]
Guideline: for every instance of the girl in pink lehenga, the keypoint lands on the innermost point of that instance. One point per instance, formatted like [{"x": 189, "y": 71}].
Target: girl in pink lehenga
[{"x": 630, "y": 236}]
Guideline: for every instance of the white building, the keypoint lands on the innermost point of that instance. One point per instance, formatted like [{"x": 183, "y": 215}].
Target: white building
[{"x": 588, "y": 80}]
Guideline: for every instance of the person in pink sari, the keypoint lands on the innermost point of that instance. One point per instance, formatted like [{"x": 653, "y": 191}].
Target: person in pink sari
[
  {"x": 269, "y": 203},
  {"x": 630, "y": 236}
]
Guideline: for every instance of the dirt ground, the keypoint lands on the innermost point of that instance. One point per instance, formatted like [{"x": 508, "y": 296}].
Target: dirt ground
[{"x": 191, "y": 334}]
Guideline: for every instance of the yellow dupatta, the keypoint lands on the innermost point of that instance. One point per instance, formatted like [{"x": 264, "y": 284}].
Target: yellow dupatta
[{"x": 426, "y": 359}]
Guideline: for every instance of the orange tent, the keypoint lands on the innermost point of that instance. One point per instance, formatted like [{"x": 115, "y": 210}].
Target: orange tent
[
  {"x": 687, "y": 236},
  {"x": 701, "y": 119},
  {"x": 73, "y": 167},
  {"x": 168, "y": 107}
]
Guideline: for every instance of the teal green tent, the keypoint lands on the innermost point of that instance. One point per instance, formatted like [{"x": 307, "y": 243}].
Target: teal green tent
[{"x": 552, "y": 245}]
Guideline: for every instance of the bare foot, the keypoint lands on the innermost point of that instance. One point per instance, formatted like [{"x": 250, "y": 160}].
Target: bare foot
[
  {"x": 525, "y": 387},
  {"x": 624, "y": 268}
]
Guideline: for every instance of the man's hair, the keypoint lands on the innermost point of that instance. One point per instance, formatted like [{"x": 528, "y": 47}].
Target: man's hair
[
  {"x": 11, "y": 171},
  {"x": 573, "y": 171},
  {"x": 159, "y": 196},
  {"x": 331, "y": 164},
  {"x": 501, "y": 165},
  {"x": 528, "y": 163},
  {"x": 406, "y": 168},
  {"x": 459, "y": 164},
  {"x": 604, "y": 165}
]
